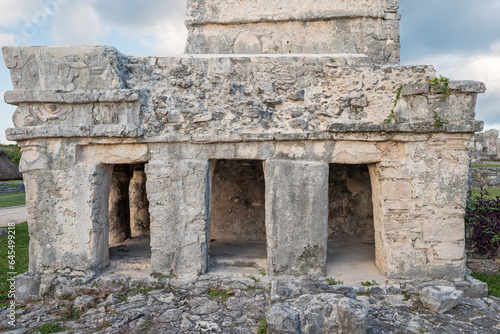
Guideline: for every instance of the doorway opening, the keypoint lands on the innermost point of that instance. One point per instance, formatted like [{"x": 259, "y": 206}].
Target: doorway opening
[
  {"x": 237, "y": 225},
  {"x": 128, "y": 212},
  {"x": 351, "y": 231}
]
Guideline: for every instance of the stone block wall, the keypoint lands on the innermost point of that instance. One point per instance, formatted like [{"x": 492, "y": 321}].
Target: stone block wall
[
  {"x": 485, "y": 177},
  {"x": 297, "y": 114},
  {"x": 238, "y": 202},
  {"x": 350, "y": 209},
  {"x": 487, "y": 146},
  {"x": 369, "y": 27}
]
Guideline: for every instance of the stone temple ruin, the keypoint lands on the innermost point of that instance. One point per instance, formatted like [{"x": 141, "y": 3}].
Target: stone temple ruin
[{"x": 265, "y": 146}]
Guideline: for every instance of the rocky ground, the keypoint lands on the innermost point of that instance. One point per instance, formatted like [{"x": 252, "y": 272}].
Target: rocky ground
[{"x": 229, "y": 305}]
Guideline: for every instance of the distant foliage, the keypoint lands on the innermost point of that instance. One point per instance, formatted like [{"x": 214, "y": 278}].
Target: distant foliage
[
  {"x": 482, "y": 219},
  {"x": 12, "y": 152}
]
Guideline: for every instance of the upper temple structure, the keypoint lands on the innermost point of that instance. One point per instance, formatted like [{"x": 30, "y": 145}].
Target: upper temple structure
[
  {"x": 286, "y": 134},
  {"x": 368, "y": 27}
]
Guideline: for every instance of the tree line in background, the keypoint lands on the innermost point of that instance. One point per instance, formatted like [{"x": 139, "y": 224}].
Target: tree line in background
[{"x": 13, "y": 152}]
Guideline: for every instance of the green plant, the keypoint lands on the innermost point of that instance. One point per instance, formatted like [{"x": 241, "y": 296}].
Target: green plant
[
  {"x": 399, "y": 96},
  {"x": 332, "y": 60},
  {"x": 70, "y": 313},
  {"x": 332, "y": 281},
  {"x": 255, "y": 279},
  {"x": 219, "y": 294},
  {"x": 439, "y": 122},
  {"x": 441, "y": 84},
  {"x": 21, "y": 259},
  {"x": 482, "y": 220},
  {"x": 160, "y": 277},
  {"x": 406, "y": 297},
  {"x": 51, "y": 327},
  {"x": 262, "y": 327},
  {"x": 368, "y": 283},
  {"x": 364, "y": 293},
  {"x": 13, "y": 152},
  {"x": 262, "y": 272},
  {"x": 66, "y": 296},
  {"x": 492, "y": 192}
]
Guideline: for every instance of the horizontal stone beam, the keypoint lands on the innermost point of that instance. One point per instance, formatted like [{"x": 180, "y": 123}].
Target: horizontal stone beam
[{"x": 74, "y": 97}]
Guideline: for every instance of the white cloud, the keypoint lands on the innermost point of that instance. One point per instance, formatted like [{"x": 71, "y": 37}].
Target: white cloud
[
  {"x": 8, "y": 40},
  {"x": 480, "y": 66},
  {"x": 11, "y": 11},
  {"x": 169, "y": 38},
  {"x": 78, "y": 23}
]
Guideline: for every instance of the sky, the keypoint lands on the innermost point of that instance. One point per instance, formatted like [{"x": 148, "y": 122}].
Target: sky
[{"x": 461, "y": 38}]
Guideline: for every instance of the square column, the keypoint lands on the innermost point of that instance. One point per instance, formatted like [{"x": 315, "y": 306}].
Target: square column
[
  {"x": 179, "y": 207},
  {"x": 296, "y": 216},
  {"x": 68, "y": 221}
]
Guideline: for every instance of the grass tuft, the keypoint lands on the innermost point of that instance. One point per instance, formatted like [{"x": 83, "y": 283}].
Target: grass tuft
[
  {"x": 220, "y": 294},
  {"x": 493, "y": 281},
  {"x": 21, "y": 258},
  {"x": 51, "y": 327}
]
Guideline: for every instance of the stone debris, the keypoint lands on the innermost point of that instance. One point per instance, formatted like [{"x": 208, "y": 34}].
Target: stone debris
[
  {"x": 440, "y": 299},
  {"x": 136, "y": 306}
]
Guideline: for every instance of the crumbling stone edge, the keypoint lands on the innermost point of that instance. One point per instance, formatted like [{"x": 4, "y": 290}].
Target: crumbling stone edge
[{"x": 32, "y": 287}]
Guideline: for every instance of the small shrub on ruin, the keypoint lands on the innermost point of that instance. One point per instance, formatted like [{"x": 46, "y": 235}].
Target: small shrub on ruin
[
  {"x": 332, "y": 281},
  {"x": 441, "y": 84},
  {"x": 221, "y": 295},
  {"x": 482, "y": 220},
  {"x": 262, "y": 327}
]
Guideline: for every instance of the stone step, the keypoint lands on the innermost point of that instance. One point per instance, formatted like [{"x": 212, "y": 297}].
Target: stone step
[{"x": 238, "y": 261}]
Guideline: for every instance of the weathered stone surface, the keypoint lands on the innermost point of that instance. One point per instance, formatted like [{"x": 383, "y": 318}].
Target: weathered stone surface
[
  {"x": 119, "y": 204},
  {"x": 139, "y": 204},
  {"x": 486, "y": 146},
  {"x": 296, "y": 197},
  {"x": 477, "y": 288},
  {"x": 440, "y": 299},
  {"x": 350, "y": 202},
  {"x": 27, "y": 287},
  {"x": 281, "y": 319},
  {"x": 365, "y": 27},
  {"x": 217, "y": 102},
  {"x": 179, "y": 215},
  {"x": 485, "y": 177},
  {"x": 352, "y": 316},
  {"x": 163, "y": 308},
  {"x": 3, "y": 231},
  {"x": 283, "y": 290},
  {"x": 84, "y": 111},
  {"x": 238, "y": 202}
]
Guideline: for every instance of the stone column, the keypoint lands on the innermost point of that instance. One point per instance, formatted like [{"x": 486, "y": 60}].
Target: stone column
[
  {"x": 296, "y": 216},
  {"x": 139, "y": 214},
  {"x": 68, "y": 221},
  {"x": 119, "y": 205},
  {"x": 179, "y": 197}
]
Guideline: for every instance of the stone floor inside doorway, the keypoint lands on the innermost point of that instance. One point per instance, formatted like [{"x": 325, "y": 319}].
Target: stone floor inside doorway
[{"x": 352, "y": 261}]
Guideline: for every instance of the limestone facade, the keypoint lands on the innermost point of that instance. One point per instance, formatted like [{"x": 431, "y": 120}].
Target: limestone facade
[{"x": 88, "y": 113}]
